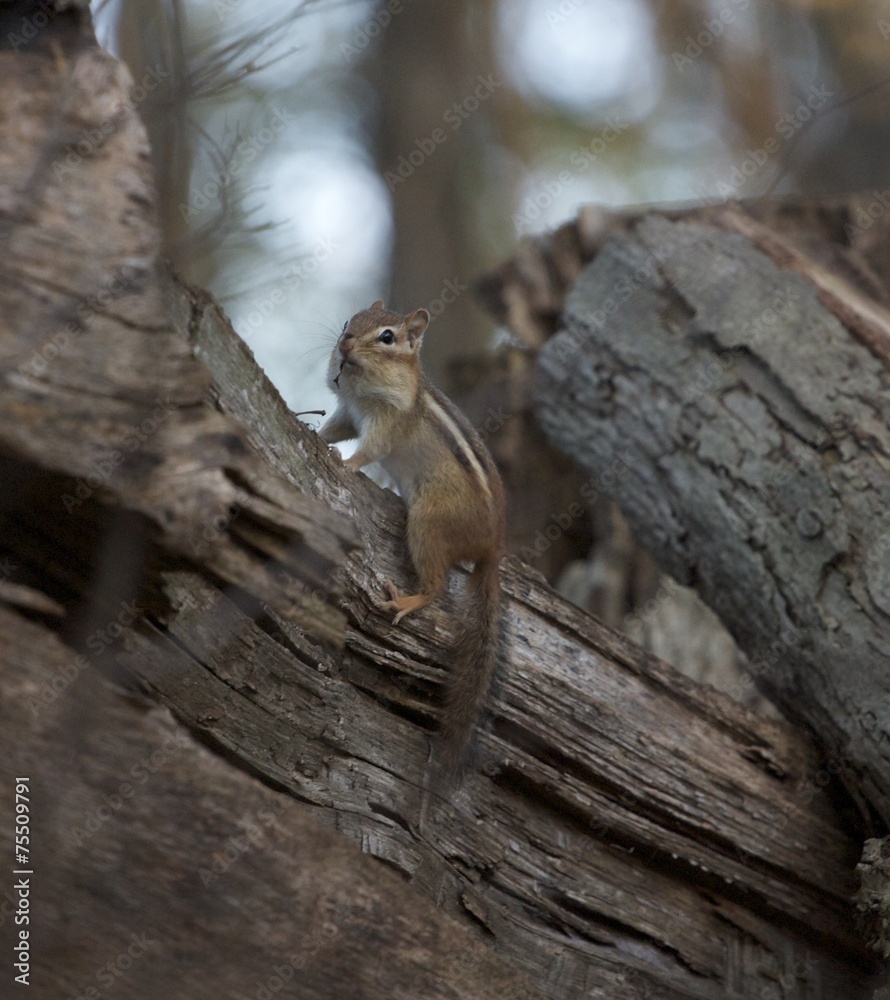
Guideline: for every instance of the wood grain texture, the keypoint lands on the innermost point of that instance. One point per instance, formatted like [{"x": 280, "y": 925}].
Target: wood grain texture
[
  {"x": 751, "y": 426},
  {"x": 161, "y": 870}
]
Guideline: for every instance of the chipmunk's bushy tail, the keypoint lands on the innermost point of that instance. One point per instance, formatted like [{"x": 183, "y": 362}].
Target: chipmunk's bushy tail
[{"x": 473, "y": 667}]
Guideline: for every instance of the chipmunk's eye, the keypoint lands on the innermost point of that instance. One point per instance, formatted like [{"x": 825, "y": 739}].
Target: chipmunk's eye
[{"x": 387, "y": 337}]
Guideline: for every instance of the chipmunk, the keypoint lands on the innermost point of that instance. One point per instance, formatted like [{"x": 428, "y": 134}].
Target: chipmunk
[{"x": 450, "y": 485}]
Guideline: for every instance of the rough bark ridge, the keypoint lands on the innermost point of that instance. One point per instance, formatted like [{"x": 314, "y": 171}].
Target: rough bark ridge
[
  {"x": 180, "y": 876},
  {"x": 626, "y": 834},
  {"x": 748, "y": 406}
]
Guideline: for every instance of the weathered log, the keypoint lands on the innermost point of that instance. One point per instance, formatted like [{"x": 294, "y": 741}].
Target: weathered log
[
  {"x": 848, "y": 236},
  {"x": 623, "y": 832},
  {"x": 159, "y": 870},
  {"x": 544, "y": 767},
  {"x": 745, "y": 408}
]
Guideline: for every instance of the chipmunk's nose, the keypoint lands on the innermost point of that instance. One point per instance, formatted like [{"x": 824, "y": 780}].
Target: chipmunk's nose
[{"x": 346, "y": 344}]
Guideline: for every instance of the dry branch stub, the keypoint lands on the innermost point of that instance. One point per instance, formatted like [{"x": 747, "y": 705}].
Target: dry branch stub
[{"x": 745, "y": 432}]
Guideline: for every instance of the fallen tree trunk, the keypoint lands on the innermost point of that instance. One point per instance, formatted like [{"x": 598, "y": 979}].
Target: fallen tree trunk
[
  {"x": 744, "y": 389},
  {"x": 625, "y": 832},
  {"x": 159, "y": 870}
]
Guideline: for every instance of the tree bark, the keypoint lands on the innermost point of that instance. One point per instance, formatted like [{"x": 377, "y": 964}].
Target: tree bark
[
  {"x": 170, "y": 527},
  {"x": 160, "y": 870},
  {"x": 738, "y": 391}
]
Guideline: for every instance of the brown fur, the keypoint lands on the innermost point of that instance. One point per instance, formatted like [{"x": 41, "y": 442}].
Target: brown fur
[{"x": 451, "y": 486}]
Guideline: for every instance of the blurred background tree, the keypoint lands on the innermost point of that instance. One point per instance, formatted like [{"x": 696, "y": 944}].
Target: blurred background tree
[{"x": 314, "y": 154}]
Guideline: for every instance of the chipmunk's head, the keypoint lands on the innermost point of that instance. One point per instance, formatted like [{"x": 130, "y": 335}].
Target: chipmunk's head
[{"x": 377, "y": 352}]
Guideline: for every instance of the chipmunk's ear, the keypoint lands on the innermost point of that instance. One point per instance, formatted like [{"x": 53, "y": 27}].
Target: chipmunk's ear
[
  {"x": 416, "y": 323},
  {"x": 378, "y": 304}
]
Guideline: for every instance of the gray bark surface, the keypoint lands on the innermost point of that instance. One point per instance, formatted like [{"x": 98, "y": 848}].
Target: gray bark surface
[{"x": 742, "y": 406}]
